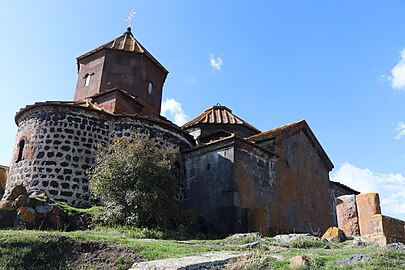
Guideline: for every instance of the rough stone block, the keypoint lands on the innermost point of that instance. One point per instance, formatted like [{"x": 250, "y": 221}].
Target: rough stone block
[
  {"x": 334, "y": 235},
  {"x": 368, "y": 205},
  {"x": 213, "y": 260},
  {"x": 347, "y": 217},
  {"x": 390, "y": 228},
  {"x": 27, "y": 215}
]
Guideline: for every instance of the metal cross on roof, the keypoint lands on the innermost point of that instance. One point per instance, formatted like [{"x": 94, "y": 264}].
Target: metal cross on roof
[{"x": 130, "y": 16}]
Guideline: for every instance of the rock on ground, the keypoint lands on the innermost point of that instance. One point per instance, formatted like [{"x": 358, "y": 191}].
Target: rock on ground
[
  {"x": 395, "y": 246},
  {"x": 358, "y": 258},
  {"x": 285, "y": 238},
  {"x": 208, "y": 261},
  {"x": 334, "y": 235},
  {"x": 299, "y": 262}
]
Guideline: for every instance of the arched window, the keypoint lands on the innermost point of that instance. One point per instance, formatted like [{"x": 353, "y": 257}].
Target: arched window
[
  {"x": 21, "y": 146},
  {"x": 150, "y": 88},
  {"x": 87, "y": 80}
]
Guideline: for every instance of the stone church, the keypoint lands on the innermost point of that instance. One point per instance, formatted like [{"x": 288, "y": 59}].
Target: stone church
[{"x": 238, "y": 178}]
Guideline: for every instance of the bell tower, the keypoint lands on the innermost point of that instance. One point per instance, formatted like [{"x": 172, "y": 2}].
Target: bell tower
[{"x": 122, "y": 65}]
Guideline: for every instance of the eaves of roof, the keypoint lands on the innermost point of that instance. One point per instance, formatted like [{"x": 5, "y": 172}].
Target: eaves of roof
[
  {"x": 219, "y": 115},
  {"x": 286, "y": 131},
  {"x": 125, "y": 43}
]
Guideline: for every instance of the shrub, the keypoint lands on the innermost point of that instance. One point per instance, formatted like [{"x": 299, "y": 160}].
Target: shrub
[{"x": 138, "y": 182}]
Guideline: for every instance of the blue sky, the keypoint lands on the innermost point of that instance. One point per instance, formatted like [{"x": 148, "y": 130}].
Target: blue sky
[{"x": 338, "y": 64}]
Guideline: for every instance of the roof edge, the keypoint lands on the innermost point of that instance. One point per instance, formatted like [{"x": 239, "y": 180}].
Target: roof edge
[{"x": 292, "y": 129}]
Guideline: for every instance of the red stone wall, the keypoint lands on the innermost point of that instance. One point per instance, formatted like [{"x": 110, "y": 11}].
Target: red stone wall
[{"x": 302, "y": 198}]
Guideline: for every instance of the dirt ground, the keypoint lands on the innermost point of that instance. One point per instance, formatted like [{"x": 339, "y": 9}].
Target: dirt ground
[{"x": 68, "y": 253}]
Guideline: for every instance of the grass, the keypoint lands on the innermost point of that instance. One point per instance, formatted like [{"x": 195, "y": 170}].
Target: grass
[
  {"x": 70, "y": 209},
  {"x": 16, "y": 246},
  {"x": 320, "y": 258},
  {"x": 40, "y": 248}
]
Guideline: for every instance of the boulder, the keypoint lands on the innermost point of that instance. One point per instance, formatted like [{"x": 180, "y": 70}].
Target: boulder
[
  {"x": 358, "y": 258},
  {"x": 255, "y": 235},
  {"x": 6, "y": 205},
  {"x": 44, "y": 209},
  {"x": 334, "y": 235},
  {"x": 285, "y": 238},
  {"x": 15, "y": 192},
  {"x": 21, "y": 201},
  {"x": 300, "y": 262},
  {"x": 358, "y": 242},
  {"x": 347, "y": 217},
  {"x": 395, "y": 246},
  {"x": 27, "y": 216}
]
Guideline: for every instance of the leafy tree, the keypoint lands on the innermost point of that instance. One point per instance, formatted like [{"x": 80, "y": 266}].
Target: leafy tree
[{"x": 138, "y": 182}]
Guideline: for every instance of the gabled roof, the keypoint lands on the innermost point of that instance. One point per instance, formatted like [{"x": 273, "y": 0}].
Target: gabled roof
[
  {"x": 287, "y": 131},
  {"x": 345, "y": 187},
  {"x": 123, "y": 92},
  {"x": 126, "y": 43},
  {"x": 219, "y": 115}
]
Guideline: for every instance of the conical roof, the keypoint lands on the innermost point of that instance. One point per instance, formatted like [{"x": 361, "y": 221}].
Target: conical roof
[
  {"x": 219, "y": 114},
  {"x": 126, "y": 43}
]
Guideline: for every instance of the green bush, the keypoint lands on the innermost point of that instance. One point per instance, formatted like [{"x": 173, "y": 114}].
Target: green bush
[{"x": 138, "y": 182}]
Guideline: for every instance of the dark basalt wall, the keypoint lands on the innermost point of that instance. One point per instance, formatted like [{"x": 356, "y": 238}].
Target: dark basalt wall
[{"x": 55, "y": 147}]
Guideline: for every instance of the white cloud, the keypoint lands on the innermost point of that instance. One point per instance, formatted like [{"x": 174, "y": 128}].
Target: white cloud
[
  {"x": 400, "y": 131},
  {"x": 397, "y": 77},
  {"x": 391, "y": 187},
  {"x": 216, "y": 63},
  {"x": 173, "y": 111}
]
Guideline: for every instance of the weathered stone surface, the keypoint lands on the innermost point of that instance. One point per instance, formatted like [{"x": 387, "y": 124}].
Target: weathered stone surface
[
  {"x": 253, "y": 235},
  {"x": 395, "y": 246},
  {"x": 6, "y": 205},
  {"x": 44, "y": 209},
  {"x": 300, "y": 262},
  {"x": 27, "y": 215},
  {"x": 60, "y": 144},
  {"x": 334, "y": 235},
  {"x": 21, "y": 201},
  {"x": 358, "y": 258},
  {"x": 346, "y": 211},
  {"x": 14, "y": 192},
  {"x": 285, "y": 238},
  {"x": 358, "y": 242},
  {"x": 368, "y": 205},
  {"x": 209, "y": 261},
  {"x": 393, "y": 230}
]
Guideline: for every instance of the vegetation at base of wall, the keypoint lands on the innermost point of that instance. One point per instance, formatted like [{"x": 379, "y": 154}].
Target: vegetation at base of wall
[
  {"x": 94, "y": 210},
  {"x": 138, "y": 182}
]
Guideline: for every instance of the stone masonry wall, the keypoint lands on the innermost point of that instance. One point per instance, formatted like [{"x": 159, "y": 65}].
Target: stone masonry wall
[{"x": 59, "y": 147}]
